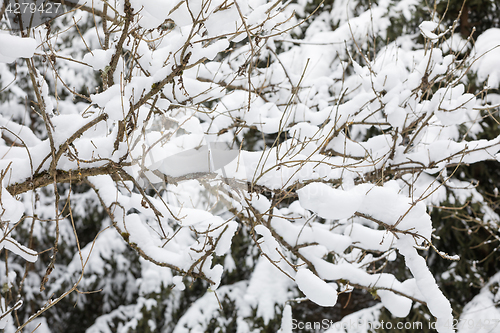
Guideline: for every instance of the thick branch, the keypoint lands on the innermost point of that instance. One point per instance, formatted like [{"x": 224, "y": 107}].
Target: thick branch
[
  {"x": 43, "y": 179},
  {"x": 119, "y": 45}
]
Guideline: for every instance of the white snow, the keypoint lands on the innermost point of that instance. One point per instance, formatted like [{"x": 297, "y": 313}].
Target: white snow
[
  {"x": 427, "y": 28},
  {"x": 17, "y": 47},
  {"x": 286, "y": 320},
  {"x": 315, "y": 288},
  {"x": 328, "y": 202},
  {"x": 348, "y": 215},
  {"x": 99, "y": 59},
  {"x": 487, "y": 51},
  {"x": 437, "y": 303},
  {"x": 481, "y": 314}
]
